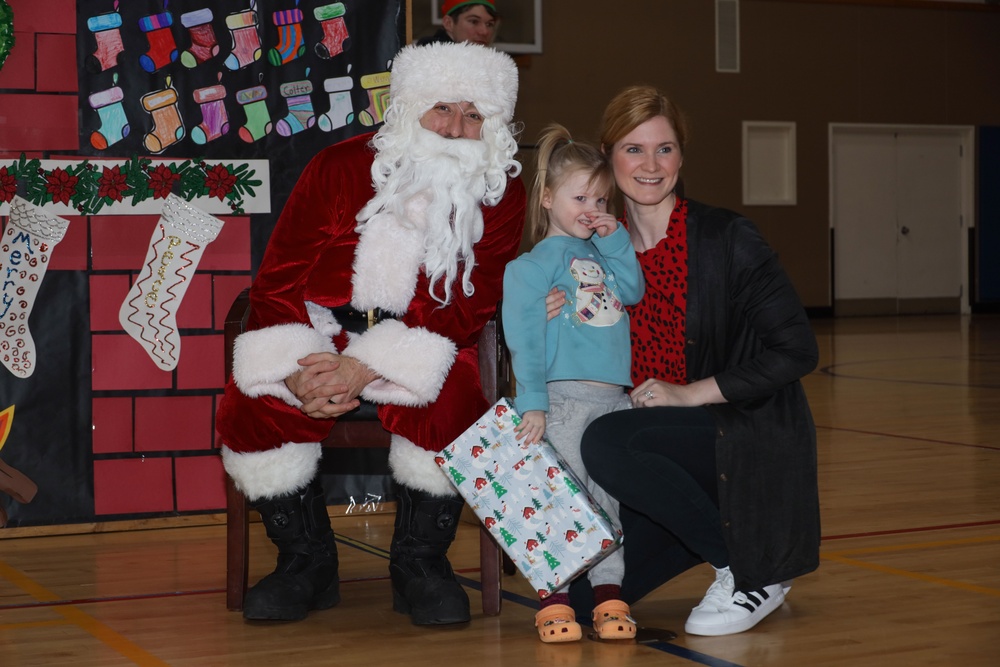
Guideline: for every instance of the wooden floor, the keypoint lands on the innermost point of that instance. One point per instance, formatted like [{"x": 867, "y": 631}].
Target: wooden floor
[{"x": 908, "y": 416}]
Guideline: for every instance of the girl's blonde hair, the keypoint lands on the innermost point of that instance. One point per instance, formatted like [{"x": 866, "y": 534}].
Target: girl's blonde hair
[{"x": 559, "y": 156}]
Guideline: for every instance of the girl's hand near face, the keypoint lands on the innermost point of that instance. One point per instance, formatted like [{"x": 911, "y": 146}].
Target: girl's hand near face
[{"x": 603, "y": 223}]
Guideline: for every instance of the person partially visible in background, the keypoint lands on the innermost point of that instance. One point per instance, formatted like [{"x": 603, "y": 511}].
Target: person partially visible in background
[{"x": 466, "y": 21}]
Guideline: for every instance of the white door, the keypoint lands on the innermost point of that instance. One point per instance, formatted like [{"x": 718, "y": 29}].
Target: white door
[
  {"x": 896, "y": 199},
  {"x": 929, "y": 216}
]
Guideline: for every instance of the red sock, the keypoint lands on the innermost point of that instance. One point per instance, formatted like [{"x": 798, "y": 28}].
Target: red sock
[
  {"x": 557, "y": 598},
  {"x": 162, "y": 48},
  {"x": 605, "y": 592}
]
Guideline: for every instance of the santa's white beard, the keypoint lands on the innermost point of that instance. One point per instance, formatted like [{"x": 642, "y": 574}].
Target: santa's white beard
[{"x": 448, "y": 179}]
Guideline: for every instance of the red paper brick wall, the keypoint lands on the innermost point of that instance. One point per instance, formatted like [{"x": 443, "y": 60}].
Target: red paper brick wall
[{"x": 153, "y": 436}]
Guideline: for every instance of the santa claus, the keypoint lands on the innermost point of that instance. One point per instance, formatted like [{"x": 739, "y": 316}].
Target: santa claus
[{"x": 417, "y": 221}]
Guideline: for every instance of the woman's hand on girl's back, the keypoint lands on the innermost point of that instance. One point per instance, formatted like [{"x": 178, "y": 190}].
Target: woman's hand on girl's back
[{"x": 554, "y": 301}]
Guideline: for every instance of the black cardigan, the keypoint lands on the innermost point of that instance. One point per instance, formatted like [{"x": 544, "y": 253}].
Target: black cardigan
[{"x": 747, "y": 327}]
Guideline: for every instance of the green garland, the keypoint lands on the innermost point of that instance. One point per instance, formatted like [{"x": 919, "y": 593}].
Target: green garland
[
  {"x": 88, "y": 187},
  {"x": 6, "y": 31}
]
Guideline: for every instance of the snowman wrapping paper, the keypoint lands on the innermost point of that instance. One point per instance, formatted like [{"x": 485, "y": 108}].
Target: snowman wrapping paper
[{"x": 530, "y": 500}]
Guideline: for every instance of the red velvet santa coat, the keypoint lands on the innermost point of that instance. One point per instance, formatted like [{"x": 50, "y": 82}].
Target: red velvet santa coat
[{"x": 430, "y": 388}]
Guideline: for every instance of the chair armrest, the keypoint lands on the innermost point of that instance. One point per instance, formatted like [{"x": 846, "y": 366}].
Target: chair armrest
[
  {"x": 235, "y": 324},
  {"x": 494, "y": 360}
]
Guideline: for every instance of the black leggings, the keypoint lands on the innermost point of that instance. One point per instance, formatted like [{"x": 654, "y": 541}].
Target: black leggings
[{"x": 660, "y": 463}]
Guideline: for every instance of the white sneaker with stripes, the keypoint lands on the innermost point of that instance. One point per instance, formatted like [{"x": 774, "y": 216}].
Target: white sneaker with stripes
[{"x": 725, "y": 611}]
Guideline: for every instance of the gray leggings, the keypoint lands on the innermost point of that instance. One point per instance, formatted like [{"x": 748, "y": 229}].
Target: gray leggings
[{"x": 572, "y": 407}]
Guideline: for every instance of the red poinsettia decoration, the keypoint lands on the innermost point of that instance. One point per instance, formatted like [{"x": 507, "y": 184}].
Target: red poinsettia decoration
[
  {"x": 161, "y": 181},
  {"x": 61, "y": 185},
  {"x": 89, "y": 187},
  {"x": 112, "y": 183},
  {"x": 8, "y": 185},
  {"x": 219, "y": 181}
]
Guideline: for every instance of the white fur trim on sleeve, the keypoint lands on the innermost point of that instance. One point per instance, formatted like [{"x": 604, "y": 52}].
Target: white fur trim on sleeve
[
  {"x": 412, "y": 362},
  {"x": 262, "y": 359},
  {"x": 274, "y": 472},
  {"x": 415, "y": 468}
]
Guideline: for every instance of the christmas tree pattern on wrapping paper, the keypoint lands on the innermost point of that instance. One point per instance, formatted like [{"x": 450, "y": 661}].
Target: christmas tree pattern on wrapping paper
[{"x": 528, "y": 499}]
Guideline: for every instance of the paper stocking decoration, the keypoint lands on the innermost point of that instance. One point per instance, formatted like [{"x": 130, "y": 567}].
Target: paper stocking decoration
[
  {"x": 214, "y": 119},
  {"x": 290, "y": 44},
  {"x": 341, "y": 111},
  {"x": 203, "y": 42},
  {"x": 377, "y": 86},
  {"x": 162, "y": 48},
  {"x": 168, "y": 127},
  {"x": 246, "y": 42},
  {"x": 253, "y": 101},
  {"x": 107, "y": 32},
  {"x": 300, "y": 107},
  {"x": 331, "y": 19},
  {"x": 28, "y": 241},
  {"x": 114, "y": 124},
  {"x": 149, "y": 312}
]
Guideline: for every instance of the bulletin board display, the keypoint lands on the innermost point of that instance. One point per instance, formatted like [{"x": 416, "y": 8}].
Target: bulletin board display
[{"x": 174, "y": 95}]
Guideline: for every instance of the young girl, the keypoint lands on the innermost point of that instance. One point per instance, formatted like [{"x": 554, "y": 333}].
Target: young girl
[{"x": 573, "y": 369}]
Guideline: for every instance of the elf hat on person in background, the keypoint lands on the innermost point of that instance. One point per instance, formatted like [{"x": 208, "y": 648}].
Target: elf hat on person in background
[
  {"x": 455, "y": 72},
  {"x": 448, "y": 6}
]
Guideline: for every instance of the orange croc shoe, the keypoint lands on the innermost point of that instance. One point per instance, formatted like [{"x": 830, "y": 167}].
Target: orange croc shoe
[
  {"x": 612, "y": 620},
  {"x": 557, "y": 623}
]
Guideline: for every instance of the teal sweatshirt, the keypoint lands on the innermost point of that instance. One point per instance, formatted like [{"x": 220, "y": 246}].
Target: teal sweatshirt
[{"x": 589, "y": 339}]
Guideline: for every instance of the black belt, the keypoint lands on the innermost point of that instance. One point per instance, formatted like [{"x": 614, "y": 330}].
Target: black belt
[{"x": 357, "y": 321}]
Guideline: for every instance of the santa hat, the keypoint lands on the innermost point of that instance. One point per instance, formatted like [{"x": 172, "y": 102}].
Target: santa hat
[
  {"x": 448, "y": 6},
  {"x": 455, "y": 72}
]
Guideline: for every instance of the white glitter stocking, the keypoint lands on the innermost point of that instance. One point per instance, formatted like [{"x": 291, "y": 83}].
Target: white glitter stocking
[
  {"x": 28, "y": 241},
  {"x": 149, "y": 311}
]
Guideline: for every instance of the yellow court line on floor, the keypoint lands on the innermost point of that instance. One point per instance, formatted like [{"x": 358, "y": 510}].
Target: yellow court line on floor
[
  {"x": 84, "y": 621},
  {"x": 912, "y": 575},
  {"x": 919, "y": 545}
]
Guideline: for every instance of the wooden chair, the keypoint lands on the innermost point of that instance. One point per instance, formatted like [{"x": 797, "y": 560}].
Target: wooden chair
[{"x": 364, "y": 432}]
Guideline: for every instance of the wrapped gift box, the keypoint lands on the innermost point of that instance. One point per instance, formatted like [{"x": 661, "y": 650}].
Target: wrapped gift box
[{"x": 533, "y": 503}]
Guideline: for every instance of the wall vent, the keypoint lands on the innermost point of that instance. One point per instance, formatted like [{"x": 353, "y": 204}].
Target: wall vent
[{"x": 727, "y": 36}]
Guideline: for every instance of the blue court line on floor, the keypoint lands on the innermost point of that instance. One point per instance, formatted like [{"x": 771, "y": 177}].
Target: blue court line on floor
[{"x": 693, "y": 656}]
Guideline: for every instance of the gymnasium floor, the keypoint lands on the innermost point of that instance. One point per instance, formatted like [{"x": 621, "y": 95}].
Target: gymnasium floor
[{"x": 908, "y": 418}]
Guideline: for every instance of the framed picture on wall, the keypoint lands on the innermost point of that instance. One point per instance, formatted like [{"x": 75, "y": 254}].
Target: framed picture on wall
[{"x": 520, "y": 29}]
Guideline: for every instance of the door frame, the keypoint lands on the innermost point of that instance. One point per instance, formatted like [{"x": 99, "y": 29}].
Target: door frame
[{"x": 967, "y": 162}]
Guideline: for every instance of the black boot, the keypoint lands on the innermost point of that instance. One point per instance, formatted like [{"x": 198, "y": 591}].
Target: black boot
[
  {"x": 306, "y": 575},
  {"x": 423, "y": 583}
]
